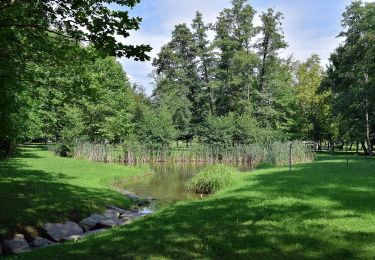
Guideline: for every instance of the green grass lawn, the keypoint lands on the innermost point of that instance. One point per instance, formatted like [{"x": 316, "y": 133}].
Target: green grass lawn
[
  {"x": 37, "y": 187},
  {"x": 321, "y": 210}
]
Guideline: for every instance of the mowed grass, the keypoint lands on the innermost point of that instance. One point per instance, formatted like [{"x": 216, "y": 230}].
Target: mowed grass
[
  {"x": 37, "y": 187},
  {"x": 322, "y": 210}
]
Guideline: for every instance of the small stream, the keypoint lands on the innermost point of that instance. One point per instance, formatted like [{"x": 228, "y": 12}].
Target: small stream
[{"x": 166, "y": 183}]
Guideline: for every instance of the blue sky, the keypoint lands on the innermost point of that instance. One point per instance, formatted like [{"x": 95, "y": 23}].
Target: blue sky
[{"x": 310, "y": 26}]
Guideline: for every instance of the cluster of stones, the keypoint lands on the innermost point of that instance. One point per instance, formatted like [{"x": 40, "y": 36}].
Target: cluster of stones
[{"x": 71, "y": 231}]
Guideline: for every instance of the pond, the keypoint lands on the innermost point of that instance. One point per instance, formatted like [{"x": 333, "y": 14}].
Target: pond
[{"x": 166, "y": 183}]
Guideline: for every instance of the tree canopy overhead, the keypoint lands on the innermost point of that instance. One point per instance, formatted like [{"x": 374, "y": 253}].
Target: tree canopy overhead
[{"x": 84, "y": 21}]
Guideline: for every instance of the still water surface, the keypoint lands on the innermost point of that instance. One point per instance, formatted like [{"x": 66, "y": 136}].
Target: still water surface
[{"x": 167, "y": 182}]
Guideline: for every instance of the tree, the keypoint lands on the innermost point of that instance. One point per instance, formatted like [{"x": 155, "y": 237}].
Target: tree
[
  {"x": 313, "y": 115},
  {"x": 351, "y": 73},
  {"x": 246, "y": 129},
  {"x": 35, "y": 35},
  {"x": 89, "y": 21},
  {"x": 234, "y": 33},
  {"x": 205, "y": 67},
  {"x": 219, "y": 130},
  {"x": 177, "y": 80},
  {"x": 271, "y": 41},
  {"x": 156, "y": 128},
  {"x": 109, "y": 105}
]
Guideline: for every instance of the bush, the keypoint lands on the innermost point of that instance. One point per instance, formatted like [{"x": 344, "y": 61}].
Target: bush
[
  {"x": 60, "y": 149},
  {"x": 212, "y": 179}
]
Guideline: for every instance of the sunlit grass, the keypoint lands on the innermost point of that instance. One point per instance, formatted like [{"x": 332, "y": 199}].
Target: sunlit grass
[
  {"x": 323, "y": 210},
  {"x": 37, "y": 187}
]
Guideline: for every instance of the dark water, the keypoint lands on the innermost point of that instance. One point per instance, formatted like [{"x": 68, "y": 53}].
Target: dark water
[{"x": 166, "y": 183}]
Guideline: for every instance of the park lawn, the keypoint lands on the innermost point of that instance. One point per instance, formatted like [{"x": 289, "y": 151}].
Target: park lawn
[
  {"x": 37, "y": 187},
  {"x": 321, "y": 210}
]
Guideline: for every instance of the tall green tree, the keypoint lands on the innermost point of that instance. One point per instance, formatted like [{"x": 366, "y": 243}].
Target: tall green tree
[
  {"x": 205, "y": 67},
  {"x": 234, "y": 34},
  {"x": 313, "y": 116},
  {"x": 351, "y": 73},
  {"x": 37, "y": 34},
  {"x": 270, "y": 42},
  {"x": 178, "y": 81}
]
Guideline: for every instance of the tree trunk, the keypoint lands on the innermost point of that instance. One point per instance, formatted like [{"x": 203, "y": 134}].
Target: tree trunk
[
  {"x": 207, "y": 80},
  {"x": 263, "y": 69},
  {"x": 6, "y": 146},
  {"x": 367, "y": 121},
  {"x": 364, "y": 148},
  {"x": 368, "y": 140}
]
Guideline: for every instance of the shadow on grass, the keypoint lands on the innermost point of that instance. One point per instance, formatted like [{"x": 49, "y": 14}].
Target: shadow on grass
[
  {"x": 321, "y": 210},
  {"x": 31, "y": 197}
]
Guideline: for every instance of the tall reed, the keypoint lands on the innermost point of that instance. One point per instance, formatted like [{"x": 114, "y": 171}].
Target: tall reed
[{"x": 276, "y": 153}]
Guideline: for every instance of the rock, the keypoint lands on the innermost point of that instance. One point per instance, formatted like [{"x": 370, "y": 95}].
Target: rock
[
  {"x": 96, "y": 231},
  {"x": 58, "y": 231},
  {"x": 29, "y": 232},
  {"x": 73, "y": 237},
  {"x": 40, "y": 242},
  {"x": 132, "y": 196},
  {"x": 121, "y": 211},
  {"x": 140, "y": 201},
  {"x": 16, "y": 245},
  {"x": 1, "y": 250},
  {"x": 132, "y": 215},
  {"x": 90, "y": 222},
  {"x": 88, "y": 233},
  {"x": 111, "y": 214},
  {"x": 124, "y": 192},
  {"x": 109, "y": 223}
]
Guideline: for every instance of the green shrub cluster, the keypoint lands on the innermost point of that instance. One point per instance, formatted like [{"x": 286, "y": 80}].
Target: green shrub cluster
[{"x": 213, "y": 178}]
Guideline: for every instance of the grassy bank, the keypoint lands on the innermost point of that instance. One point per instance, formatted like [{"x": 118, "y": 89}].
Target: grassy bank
[
  {"x": 37, "y": 187},
  {"x": 320, "y": 210}
]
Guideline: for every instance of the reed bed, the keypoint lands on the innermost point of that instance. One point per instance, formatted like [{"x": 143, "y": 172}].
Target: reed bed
[{"x": 276, "y": 153}]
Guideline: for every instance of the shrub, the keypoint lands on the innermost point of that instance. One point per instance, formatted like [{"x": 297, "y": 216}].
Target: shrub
[{"x": 212, "y": 179}]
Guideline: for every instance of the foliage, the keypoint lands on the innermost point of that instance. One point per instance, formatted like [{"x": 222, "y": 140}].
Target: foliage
[
  {"x": 351, "y": 75},
  {"x": 213, "y": 178},
  {"x": 156, "y": 127},
  {"x": 89, "y": 21},
  {"x": 230, "y": 91},
  {"x": 219, "y": 130},
  {"x": 96, "y": 103},
  {"x": 40, "y": 46},
  {"x": 314, "y": 116}
]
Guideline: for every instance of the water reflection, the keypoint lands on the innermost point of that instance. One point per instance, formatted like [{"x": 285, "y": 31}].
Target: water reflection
[{"x": 167, "y": 183}]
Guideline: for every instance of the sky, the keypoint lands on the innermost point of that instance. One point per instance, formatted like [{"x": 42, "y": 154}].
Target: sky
[{"x": 310, "y": 26}]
